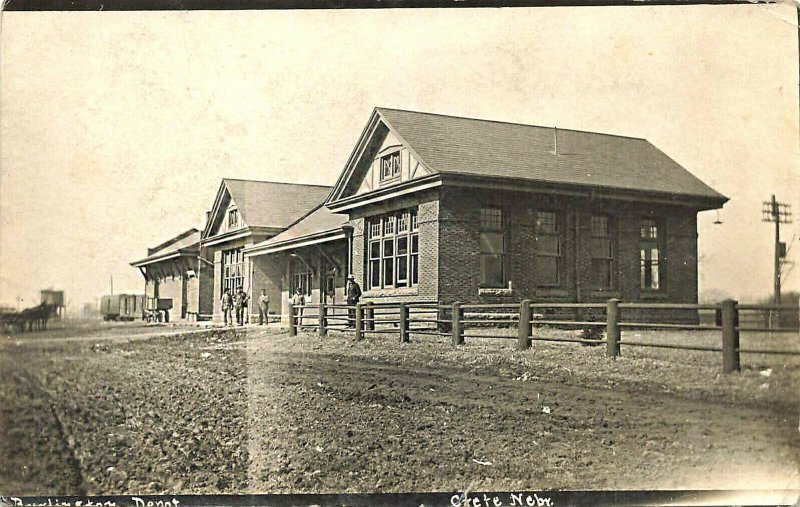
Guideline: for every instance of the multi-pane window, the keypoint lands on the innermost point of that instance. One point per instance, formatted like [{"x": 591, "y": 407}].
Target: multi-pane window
[
  {"x": 393, "y": 250},
  {"x": 390, "y": 166},
  {"x": 548, "y": 248},
  {"x": 651, "y": 254},
  {"x": 233, "y": 218},
  {"x": 232, "y": 269},
  {"x": 492, "y": 248},
  {"x": 602, "y": 246}
]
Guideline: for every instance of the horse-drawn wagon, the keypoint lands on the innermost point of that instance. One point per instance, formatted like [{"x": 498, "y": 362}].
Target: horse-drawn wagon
[{"x": 29, "y": 319}]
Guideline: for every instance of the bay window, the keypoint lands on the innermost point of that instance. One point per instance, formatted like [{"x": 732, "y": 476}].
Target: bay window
[
  {"x": 393, "y": 250},
  {"x": 232, "y": 269}
]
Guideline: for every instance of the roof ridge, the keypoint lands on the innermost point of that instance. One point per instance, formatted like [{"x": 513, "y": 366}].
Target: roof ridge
[
  {"x": 277, "y": 182},
  {"x": 510, "y": 123}
]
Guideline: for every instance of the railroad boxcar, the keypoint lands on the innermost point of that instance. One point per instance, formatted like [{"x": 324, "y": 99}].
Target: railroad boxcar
[{"x": 122, "y": 307}]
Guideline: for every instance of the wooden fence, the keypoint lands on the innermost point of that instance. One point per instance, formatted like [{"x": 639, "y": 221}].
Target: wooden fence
[{"x": 457, "y": 320}]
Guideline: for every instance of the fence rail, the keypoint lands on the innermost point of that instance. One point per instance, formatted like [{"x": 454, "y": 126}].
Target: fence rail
[{"x": 434, "y": 319}]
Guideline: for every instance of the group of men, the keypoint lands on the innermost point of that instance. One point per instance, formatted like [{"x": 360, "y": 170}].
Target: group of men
[{"x": 237, "y": 303}]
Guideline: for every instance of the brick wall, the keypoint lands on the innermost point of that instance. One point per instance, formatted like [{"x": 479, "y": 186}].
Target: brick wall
[
  {"x": 200, "y": 290},
  {"x": 459, "y": 248},
  {"x": 430, "y": 279},
  {"x": 449, "y": 265},
  {"x": 359, "y": 245},
  {"x": 206, "y": 288},
  {"x": 459, "y": 261}
]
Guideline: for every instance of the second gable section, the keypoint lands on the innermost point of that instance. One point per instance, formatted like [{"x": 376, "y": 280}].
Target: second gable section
[
  {"x": 385, "y": 162},
  {"x": 228, "y": 218}
]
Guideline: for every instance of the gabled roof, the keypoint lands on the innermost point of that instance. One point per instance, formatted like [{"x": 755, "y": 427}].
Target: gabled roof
[
  {"x": 319, "y": 226},
  {"x": 483, "y": 148},
  {"x": 268, "y": 203},
  {"x": 186, "y": 243}
]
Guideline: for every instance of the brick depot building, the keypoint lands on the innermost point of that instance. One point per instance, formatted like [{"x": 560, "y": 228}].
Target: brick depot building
[
  {"x": 455, "y": 209},
  {"x": 439, "y": 208}
]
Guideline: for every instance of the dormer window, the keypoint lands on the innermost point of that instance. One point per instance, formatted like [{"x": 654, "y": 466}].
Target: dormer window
[
  {"x": 233, "y": 218},
  {"x": 390, "y": 166}
]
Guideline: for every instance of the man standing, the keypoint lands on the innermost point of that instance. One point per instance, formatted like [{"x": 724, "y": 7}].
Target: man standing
[
  {"x": 240, "y": 303},
  {"x": 298, "y": 301},
  {"x": 353, "y": 292},
  {"x": 227, "y": 305},
  {"x": 263, "y": 308}
]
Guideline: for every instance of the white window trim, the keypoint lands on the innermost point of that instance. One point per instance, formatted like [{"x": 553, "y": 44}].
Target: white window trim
[{"x": 410, "y": 233}]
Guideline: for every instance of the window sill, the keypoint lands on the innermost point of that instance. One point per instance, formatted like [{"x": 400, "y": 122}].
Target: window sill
[
  {"x": 604, "y": 294},
  {"x": 488, "y": 291},
  {"x": 389, "y": 181},
  {"x": 382, "y": 293},
  {"x": 646, "y": 294}
]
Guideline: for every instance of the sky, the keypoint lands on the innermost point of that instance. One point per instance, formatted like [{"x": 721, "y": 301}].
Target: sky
[{"x": 117, "y": 127}]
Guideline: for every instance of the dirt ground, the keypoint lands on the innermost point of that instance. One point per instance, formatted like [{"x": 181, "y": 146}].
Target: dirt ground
[
  {"x": 125, "y": 410},
  {"x": 258, "y": 411}
]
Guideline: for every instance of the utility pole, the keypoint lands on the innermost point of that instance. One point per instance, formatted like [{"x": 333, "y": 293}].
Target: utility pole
[{"x": 779, "y": 213}]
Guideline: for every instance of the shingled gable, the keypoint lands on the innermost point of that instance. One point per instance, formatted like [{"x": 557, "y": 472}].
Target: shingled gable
[
  {"x": 264, "y": 204},
  {"x": 474, "y": 151},
  {"x": 186, "y": 243}
]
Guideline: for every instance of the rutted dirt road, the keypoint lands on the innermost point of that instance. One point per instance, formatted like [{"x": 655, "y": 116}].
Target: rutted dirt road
[
  {"x": 258, "y": 411},
  {"x": 365, "y": 420}
]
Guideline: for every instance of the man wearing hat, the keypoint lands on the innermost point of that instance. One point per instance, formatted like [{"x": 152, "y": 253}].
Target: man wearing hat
[
  {"x": 240, "y": 304},
  {"x": 353, "y": 292}
]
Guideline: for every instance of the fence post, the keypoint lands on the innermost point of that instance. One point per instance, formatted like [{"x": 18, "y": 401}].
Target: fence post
[
  {"x": 524, "y": 340},
  {"x": 292, "y": 325},
  {"x": 458, "y": 337},
  {"x": 370, "y": 317},
  {"x": 322, "y": 330},
  {"x": 612, "y": 328},
  {"x": 730, "y": 336},
  {"x": 359, "y": 322},
  {"x": 404, "y": 322}
]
